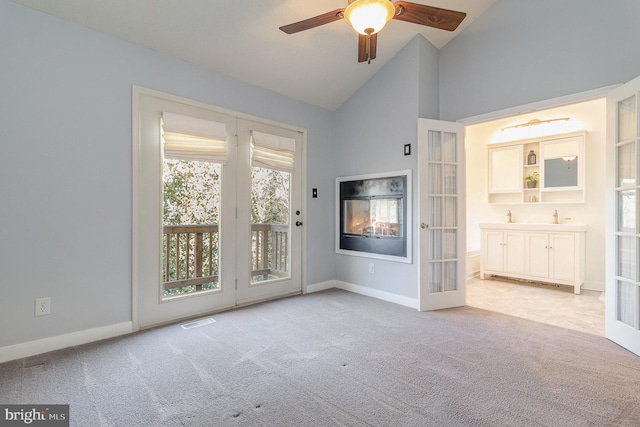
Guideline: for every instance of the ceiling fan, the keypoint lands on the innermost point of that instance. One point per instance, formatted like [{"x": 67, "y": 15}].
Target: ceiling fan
[{"x": 368, "y": 17}]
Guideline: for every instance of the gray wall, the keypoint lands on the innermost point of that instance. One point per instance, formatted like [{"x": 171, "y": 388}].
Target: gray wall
[
  {"x": 66, "y": 172},
  {"x": 371, "y": 130},
  {"x": 522, "y": 51},
  {"x": 65, "y": 157}
]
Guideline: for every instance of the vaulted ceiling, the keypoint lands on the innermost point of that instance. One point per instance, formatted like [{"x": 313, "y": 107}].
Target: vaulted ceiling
[{"x": 241, "y": 39}]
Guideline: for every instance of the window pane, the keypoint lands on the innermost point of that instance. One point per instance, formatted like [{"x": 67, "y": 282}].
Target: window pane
[
  {"x": 627, "y": 257},
  {"x": 434, "y": 185},
  {"x": 435, "y": 211},
  {"x": 627, "y": 164},
  {"x": 449, "y": 279},
  {"x": 435, "y": 146},
  {"x": 449, "y": 147},
  {"x": 435, "y": 277},
  {"x": 627, "y": 119},
  {"x": 435, "y": 245},
  {"x": 270, "y": 213},
  {"x": 450, "y": 211},
  {"x": 190, "y": 238},
  {"x": 627, "y": 211},
  {"x": 449, "y": 249},
  {"x": 450, "y": 179},
  {"x": 626, "y": 299}
]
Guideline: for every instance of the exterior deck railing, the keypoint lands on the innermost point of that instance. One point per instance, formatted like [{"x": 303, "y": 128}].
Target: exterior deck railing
[{"x": 191, "y": 253}]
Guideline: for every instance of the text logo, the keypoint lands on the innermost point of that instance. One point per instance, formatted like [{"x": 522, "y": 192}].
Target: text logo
[{"x": 34, "y": 415}]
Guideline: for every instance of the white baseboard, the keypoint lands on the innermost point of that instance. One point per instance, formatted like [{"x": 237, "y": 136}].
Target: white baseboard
[
  {"x": 363, "y": 290},
  {"x": 31, "y": 348},
  {"x": 382, "y": 295},
  {"x": 322, "y": 286},
  {"x": 473, "y": 264},
  {"x": 593, "y": 286}
]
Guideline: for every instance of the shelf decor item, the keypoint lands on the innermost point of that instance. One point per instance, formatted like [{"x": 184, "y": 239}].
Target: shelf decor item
[
  {"x": 531, "y": 158},
  {"x": 532, "y": 179}
]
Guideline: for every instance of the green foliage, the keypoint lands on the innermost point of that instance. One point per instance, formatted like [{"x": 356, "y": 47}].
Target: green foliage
[
  {"x": 192, "y": 196},
  {"x": 533, "y": 177},
  {"x": 269, "y": 196},
  {"x": 191, "y": 192}
]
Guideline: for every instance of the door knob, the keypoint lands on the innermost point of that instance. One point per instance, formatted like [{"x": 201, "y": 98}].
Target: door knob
[
  {"x": 423, "y": 225},
  {"x": 298, "y": 223}
]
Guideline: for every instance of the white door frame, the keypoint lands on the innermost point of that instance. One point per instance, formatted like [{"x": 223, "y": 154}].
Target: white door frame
[{"x": 146, "y": 212}]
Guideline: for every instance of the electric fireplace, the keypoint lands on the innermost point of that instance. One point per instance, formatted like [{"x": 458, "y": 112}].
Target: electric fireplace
[{"x": 372, "y": 215}]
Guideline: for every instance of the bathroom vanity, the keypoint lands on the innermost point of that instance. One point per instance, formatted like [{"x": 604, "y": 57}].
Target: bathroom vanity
[{"x": 550, "y": 253}]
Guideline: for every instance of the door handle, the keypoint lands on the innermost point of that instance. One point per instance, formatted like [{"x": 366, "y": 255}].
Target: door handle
[
  {"x": 423, "y": 225},
  {"x": 298, "y": 223}
]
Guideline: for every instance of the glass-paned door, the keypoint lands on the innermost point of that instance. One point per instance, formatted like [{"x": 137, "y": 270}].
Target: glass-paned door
[
  {"x": 441, "y": 185},
  {"x": 269, "y": 211},
  {"x": 183, "y": 230},
  {"x": 217, "y": 218},
  {"x": 623, "y": 236}
]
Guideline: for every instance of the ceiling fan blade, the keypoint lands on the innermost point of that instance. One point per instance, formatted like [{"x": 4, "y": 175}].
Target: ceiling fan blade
[
  {"x": 443, "y": 19},
  {"x": 316, "y": 21},
  {"x": 367, "y": 46}
]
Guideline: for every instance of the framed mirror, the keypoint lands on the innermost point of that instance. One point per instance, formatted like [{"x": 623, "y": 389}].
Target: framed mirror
[
  {"x": 563, "y": 163},
  {"x": 562, "y": 172}
]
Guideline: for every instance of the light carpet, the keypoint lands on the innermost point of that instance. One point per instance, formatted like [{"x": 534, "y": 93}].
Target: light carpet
[{"x": 336, "y": 358}]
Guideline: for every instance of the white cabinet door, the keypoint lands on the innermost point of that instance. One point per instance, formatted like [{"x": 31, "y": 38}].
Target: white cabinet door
[
  {"x": 505, "y": 169},
  {"x": 514, "y": 252},
  {"x": 537, "y": 254},
  {"x": 562, "y": 257},
  {"x": 493, "y": 251}
]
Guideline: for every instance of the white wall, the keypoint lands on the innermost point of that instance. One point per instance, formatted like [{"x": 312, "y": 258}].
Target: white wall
[
  {"x": 372, "y": 128},
  {"x": 66, "y": 168},
  {"x": 522, "y": 51},
  {"x": 65, "y": 175},
  {"x": 589, "y": 116}
]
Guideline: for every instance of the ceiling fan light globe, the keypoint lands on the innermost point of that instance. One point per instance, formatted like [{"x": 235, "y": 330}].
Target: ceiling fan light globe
[{"x": 369, "y": 16}]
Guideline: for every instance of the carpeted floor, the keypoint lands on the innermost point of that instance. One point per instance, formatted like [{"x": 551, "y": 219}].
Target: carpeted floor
[{"x": 339, "y": 359}]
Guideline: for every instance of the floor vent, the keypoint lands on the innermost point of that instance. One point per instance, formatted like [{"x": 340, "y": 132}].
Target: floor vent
[{"x": 198, "y": 323}]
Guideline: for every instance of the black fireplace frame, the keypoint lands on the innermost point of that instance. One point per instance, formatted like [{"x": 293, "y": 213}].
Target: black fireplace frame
[{"x": 386, "y": 185}]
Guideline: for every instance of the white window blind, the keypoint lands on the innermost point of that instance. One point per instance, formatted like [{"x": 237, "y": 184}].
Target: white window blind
[
  {"x": 190, "y": 138},
  {"x": 272, "y": 151}
]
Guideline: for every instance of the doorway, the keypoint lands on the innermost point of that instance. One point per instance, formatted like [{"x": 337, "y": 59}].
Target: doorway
[
  {"x": 217, "y": 209},
  {"x": 517, "y": 297}
]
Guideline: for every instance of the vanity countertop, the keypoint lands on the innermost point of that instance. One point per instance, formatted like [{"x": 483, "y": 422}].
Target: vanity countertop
[{"x": 533, "y": 226}]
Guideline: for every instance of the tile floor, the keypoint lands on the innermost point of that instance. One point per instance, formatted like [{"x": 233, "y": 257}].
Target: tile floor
[{"x": 551, "y": 304}]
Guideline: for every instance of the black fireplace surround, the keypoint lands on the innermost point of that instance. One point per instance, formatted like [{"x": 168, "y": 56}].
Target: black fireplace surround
[{"x": 373, "y": 215}]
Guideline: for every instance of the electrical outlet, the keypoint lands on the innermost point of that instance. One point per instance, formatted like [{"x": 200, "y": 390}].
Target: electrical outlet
[
  {"x": 372, "y": 268},
  {"x": 43, "y": 306}
]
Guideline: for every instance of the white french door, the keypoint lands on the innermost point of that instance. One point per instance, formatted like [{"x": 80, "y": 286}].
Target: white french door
[
  {"x": 442, "y": 214},
  {"x": 269, "y": 225},
  {"x": 188, "y": 269},
  {"x": 622, "y": 318}
]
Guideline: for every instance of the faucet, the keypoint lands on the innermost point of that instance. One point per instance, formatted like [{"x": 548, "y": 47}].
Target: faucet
[
  {"x": 555, "y": 217},
  {"x": 509, "y": 220}
]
